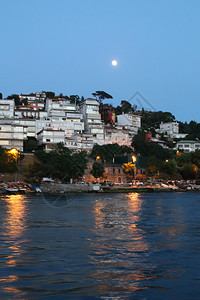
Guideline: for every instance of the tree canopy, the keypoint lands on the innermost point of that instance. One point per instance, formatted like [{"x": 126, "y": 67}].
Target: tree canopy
[
  {"x": 152, "y": 119},
  {"x": 125, "y": 107},
  {"x": 101, "y": 95},
  {"x": 59, "y": 163},
  {"x": 129, "y": 169},
  {"x": 30, "y": 144},
  {"x": 97, "y": 169},
  {"x": 15, "y": 97},
  {"x": 149, "y": 149},
  {"x": 8, "y": 163},
  {"x": 108, "y": 151}
]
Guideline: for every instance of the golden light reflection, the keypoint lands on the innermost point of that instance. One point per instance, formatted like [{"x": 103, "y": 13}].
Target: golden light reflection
[
  {"x": 119, "y": 244},
  {"x": 15, "y": 220},
  {"x": 14, "y": 226},
  {"x": 99, "y": 215},
  {"x": 134, "y": 207}
]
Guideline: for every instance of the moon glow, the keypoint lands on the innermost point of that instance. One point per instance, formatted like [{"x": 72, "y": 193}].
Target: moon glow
[{"x": 114, "y": 62}]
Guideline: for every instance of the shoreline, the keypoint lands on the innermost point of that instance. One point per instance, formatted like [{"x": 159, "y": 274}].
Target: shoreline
[{"x": 53, "y": 188}]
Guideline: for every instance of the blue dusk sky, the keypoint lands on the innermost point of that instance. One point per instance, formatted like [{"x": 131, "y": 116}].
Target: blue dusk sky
[{"x": 67, "y": 46}]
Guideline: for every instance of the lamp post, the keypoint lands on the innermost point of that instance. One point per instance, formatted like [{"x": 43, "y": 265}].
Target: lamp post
[
  {"x": 15, "y": 154},
  {"x": 134, "y": 163}
]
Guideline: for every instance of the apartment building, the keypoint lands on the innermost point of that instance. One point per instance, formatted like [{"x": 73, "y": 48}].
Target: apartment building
[
  {"x": 61, "y": 114},
  {"x": 49, "y": 137},
  {"x": 188, "y": 146},
  {"x": 171, "y": 129},
  {"x": 12, "y": 135},
  {"x": 7, "y": 108},
  {"x": 130, "y": 121},
  {"x": 117, "y": 134},
  {"x": 92, "y": 119}
]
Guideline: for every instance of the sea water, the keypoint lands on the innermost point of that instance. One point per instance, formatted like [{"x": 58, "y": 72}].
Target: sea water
[{"x": 100, "y": 246}]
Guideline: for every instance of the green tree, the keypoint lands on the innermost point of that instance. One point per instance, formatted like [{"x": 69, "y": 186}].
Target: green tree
[
  {"x": 183, "y": 159},
  {"x": 50, "y": 95},
  {"x": 189, "y": 171},
  {"x": 59, "y": 163},
  {"x": 79, "y": 161},
  {"x": 152, "y": 119},
  {"x": 74, "y": 99},
  {"x": 125, "y": 107},
  {"x": 15, "y": 97},
  {"x": 195, "y": 158},
  {"x": 30, "y": 144},
  {"x": 168, "y": 167},
  {"x": 24, "y": 101},
  {"x": 8, "y": 163},
  {"x": 129, "y": 169},
  {"x": 97, "y": 169},
  {"x": 153, "y": 166},
  {"x": 149, "y": 148},
  {"x": 107, "y": 152},
  {"x": 101, "y": 95}
]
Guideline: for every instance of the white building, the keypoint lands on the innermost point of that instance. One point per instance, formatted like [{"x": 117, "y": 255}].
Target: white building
[
  {"x": 171, "y": 129},
  {"x": 61, "y": 114},
  {"x": 7, "y": 108},
  {"x": 29, "y": 124},
  {"x": 188, "y": 146},
  {"x": 29, "y": 97},
  {"x": 12, "y": 135},
  {"x": 117, "y": 134},
  {"x": 40, "y": 96},
  {"x": 92, "y": 119},
  {"x": 36, "y": 101},
  {"x": 28, "y": 112},
  {"x": 58, "y": 107},
  {"x": 130, "y": 121},
  {"x": 49, "y": 137},
  {"x": 84, "y": 141}
]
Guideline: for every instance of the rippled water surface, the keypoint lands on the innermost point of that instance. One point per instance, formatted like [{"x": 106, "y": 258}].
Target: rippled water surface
[{"x": 100, "y": 246}]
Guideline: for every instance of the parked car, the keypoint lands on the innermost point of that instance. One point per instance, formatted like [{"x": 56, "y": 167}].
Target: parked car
[{"x": 108, "y": 182}]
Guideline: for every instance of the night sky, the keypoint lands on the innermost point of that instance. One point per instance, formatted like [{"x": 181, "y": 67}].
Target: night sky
[{"x": 67, "y": 46}]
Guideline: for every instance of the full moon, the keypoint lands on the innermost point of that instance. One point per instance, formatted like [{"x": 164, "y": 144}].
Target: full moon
[{"x": 114, "y": 62}]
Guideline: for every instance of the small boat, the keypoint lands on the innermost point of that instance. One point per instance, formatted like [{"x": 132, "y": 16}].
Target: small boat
[{"x": 12, "y": 190}]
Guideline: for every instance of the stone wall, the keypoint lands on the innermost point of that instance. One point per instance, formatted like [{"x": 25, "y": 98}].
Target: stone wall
[{"x": 65, "y": 188}]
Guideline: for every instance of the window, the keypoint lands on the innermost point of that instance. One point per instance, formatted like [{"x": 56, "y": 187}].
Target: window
[
  {"x": 48, "y": 140},
  {"x": 113, "y": 171},
  {"x": 119, "y": 171}
]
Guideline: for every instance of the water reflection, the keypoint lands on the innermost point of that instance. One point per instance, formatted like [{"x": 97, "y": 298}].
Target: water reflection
[
  {"x": 14, "y": 224},
  {"x": 119, "y": 249}
]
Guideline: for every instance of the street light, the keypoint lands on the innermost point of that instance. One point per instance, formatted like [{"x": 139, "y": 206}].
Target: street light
[
  {"x": 133, "y": 158},
  {"x": 15, "y": 154},
  {"x": 134, "y": 163},
  {"x": 98, "y": 157}
]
